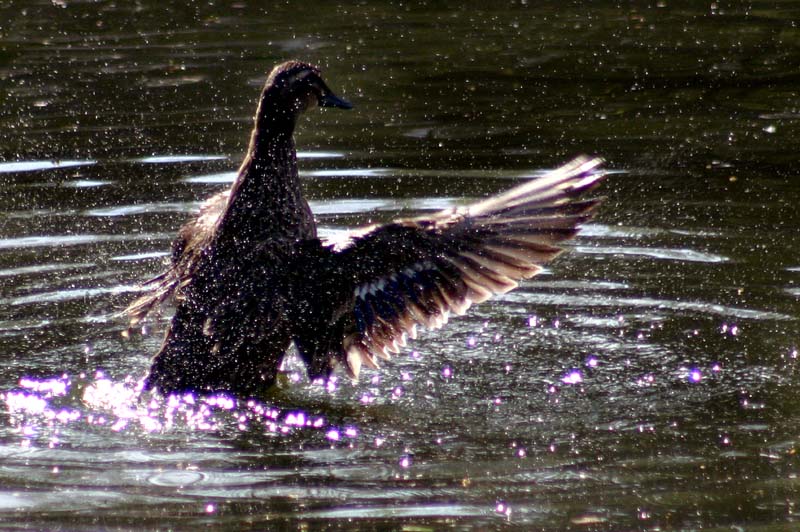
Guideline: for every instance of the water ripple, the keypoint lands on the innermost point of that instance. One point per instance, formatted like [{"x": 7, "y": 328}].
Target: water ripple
[
  {"x": 164, "y": 159},
  {"x": 141, "y": 256},
  {"x": 212, "y": 179},
  {"x": 43, "y": 268},
  {"x": 86, "y": 183},
  {"x": 69, "y": 295},
  {"x": 396, "y": 510},
  {"x": 348, "y": 206},
  {"x": 686, "y": 255},
  {"x": 176, "y": 478},
  {"x": 49, "y": 241},
  {"x": 143, "y": 208},
  {"x": 350, "y": 172},
  {"x": 573, "y": 301},
  {"x": 30, "y": 166}
]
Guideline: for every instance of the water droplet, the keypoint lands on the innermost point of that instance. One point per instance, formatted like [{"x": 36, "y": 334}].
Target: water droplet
[
  {"x": 573, "y": 377},
  {"x": 502, "y": 508},
  {"x": 367, "y": 398}
]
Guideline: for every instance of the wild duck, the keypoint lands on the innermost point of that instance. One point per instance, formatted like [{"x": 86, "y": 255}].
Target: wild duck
[{"x": 249, "y": 276}]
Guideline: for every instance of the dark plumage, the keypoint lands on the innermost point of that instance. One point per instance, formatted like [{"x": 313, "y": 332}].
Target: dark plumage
[{"x": 249, "y": 275}]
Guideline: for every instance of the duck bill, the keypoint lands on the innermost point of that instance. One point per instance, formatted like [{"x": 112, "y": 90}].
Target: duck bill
[{"x": 329, "y": 99}]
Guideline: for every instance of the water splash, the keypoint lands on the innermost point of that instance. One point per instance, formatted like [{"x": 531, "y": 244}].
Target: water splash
[
  {"x": 39, "y": 409},
  {"x": 573, "y": 377}
]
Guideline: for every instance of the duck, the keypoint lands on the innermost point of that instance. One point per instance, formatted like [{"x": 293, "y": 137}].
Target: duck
[{"x": 249, "y": 277}]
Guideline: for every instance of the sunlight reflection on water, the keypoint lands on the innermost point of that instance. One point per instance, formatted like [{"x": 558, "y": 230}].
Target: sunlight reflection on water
[
  {"x": 38, "y": 417},
  {"x": 30, "y": 166}
]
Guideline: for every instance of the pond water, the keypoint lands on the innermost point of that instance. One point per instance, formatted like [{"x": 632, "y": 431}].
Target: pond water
[{"x": 648, "y": 380}]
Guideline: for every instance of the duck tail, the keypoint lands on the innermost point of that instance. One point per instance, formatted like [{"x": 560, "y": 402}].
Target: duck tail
[{"x": 163, "y": 287}]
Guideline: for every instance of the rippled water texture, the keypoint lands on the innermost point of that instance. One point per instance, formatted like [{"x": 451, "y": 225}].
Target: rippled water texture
[{"x": 647, "y": 380}]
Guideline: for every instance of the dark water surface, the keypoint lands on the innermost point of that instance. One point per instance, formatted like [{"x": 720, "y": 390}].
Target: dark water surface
[{"x": 649, "y": 380}]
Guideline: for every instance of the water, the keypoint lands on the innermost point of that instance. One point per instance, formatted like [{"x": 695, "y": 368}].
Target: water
[{"x": 647, "y": 380}]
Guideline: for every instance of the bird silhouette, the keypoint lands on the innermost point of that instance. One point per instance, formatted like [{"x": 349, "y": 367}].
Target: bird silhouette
[{"x": 249, "y": 277}]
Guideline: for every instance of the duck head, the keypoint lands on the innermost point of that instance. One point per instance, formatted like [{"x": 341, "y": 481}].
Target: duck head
[{"x": 295, "y": 87}]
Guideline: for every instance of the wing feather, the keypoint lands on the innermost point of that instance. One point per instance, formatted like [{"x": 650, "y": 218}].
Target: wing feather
[{"x": 416, "y": 272}]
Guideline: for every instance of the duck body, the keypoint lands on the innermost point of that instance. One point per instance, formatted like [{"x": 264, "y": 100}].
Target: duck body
[
  {"x": 249, "y": 276},
  {"x": 229, "y": 265}
]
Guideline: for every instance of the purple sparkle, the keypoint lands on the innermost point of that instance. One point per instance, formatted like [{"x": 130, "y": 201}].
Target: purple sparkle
[
  {"x": 502, "y": 508},
  {"x": 48, "y": 386},
  {"x": 367, "y": 398},
  {"x": 573, "y": 377},
  {"x": 297, "y": 419}
]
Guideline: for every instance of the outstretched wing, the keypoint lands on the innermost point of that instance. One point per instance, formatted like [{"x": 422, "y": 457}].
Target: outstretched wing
[
  {"x": 417, "y": 271},
  {"x": 192, "y": 238}
]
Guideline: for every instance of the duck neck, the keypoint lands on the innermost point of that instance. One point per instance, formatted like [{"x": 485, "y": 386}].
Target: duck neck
[{"x": 266, "y": 202}]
